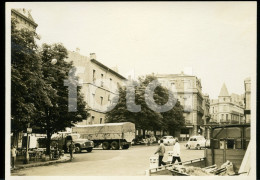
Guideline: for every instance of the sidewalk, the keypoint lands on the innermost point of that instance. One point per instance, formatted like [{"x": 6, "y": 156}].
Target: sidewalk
[{"x": 18, "y": 166}]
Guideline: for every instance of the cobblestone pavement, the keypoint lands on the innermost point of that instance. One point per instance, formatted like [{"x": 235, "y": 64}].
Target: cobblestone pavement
[{"x": 131, "y": 162}]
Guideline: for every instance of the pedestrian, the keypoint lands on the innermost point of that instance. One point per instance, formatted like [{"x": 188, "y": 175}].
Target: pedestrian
[
  {"x": 13, "y": 156},
  {"x": 176, "y": 152},
  {"x": 161, "y": 151},
  {"x": 71, "y": 149}
]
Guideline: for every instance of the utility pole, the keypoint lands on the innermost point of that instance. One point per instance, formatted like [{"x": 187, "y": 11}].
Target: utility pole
[{"x": 27, "y": 144}]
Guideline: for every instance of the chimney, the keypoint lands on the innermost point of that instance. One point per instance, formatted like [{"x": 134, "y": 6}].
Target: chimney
[{"x": 93, "y": 56}]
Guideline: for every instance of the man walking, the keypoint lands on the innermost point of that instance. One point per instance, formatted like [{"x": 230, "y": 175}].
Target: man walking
[
  {"x": 13, "y": 156},
  {"x": 176, "y": 152},
  {"x": 71, "y": 149},
  {"x": 161, "y": 151}
]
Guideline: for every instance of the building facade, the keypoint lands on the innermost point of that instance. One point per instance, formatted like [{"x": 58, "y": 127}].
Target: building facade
[
  {"x": 227, "y": 109},
  {"x": 189, "y": 93},
  {"x": 247, "y": 99},
  {"x": 24, "y": 19},
  {"x": 99, "y": 85}
]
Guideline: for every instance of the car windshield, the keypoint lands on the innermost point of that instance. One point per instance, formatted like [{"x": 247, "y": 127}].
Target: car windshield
[
  {"x": 164, "y": 137},
  {"x": 191, "y": 139}
]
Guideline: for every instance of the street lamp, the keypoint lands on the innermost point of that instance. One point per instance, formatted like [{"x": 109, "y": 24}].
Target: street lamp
[{"x": 53, "y": 61}]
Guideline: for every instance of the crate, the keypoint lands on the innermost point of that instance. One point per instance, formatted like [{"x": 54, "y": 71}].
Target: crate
[
  {"x": 170, "y": 154},
  {"x": 154, "y": 162}
]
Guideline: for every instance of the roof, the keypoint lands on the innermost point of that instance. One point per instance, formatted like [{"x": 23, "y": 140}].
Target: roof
[
  {"x": 223, "y": 91},
  {"x": 26, "y": 14},
  {"x": 107, "y": 68}
]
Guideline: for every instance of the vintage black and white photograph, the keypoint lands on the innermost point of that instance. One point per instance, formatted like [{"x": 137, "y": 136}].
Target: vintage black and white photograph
[{"x": 131, "y": 89}]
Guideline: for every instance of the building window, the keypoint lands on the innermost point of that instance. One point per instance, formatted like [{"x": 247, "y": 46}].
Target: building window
[
  {"x": 224, "y": 99},
  {"x": 101, "y": 120},
  {"x": 92, "y": 119},
  {"x": 94, "y": 78},
  {"x": 222, "y": 116},
  {"x": 93, "y": 98},
  {"x": 102, "y": 83},
  {"x": 213, "y": 109},
  {"x": 101, "y": 100},
  {"x": 226, "y": 116}
]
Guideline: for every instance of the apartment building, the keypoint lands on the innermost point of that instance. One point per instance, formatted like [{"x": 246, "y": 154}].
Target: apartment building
[
  {"x": 189, "y": 93},
  {"x": 99, "y": 85}
]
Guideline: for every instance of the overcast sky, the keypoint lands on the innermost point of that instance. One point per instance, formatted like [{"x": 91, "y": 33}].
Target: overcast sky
[{"x": 216, "y": 39}]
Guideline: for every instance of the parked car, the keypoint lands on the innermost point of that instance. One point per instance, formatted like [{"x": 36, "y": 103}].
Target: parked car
[
  {"x": 197, "y": 142},
  {"x": 167, "y": 140}
]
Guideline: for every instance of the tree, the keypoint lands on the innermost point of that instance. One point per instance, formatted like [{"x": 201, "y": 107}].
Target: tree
[
  {"x": 27, "y": 85},
  {"x": 147, "y": 118},
  {"x": 38, "y": 94},
  {"x": 57, "y": 117}
]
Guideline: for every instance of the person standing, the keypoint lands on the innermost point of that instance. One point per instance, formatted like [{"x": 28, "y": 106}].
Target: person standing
[
  {"x": 13, "y": 156},
  {"x": 176, "y": 152},
  {"x": 161, "y": 151},
  {"x": 71, "y": 149}
]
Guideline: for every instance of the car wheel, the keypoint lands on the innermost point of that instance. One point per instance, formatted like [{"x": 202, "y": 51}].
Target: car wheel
[
  {"x": 77, "y": 149},
  {"x": 89, "y": 149},
  {"x": 198, "y": 146}
]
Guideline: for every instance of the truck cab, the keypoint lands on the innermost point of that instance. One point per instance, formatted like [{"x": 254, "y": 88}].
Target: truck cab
[{"x": 80, "y": 144}]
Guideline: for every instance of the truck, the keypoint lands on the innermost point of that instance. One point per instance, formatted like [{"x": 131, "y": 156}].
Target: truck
[
  {"x": 110, "y": 135},
  {"x": 64, "y": 140}
]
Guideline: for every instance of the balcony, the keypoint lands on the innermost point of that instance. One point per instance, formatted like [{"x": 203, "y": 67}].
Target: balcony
[{"x": 200, "y": 110}]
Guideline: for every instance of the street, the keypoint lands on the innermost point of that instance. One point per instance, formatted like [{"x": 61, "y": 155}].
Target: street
[{"x": 131, "y": 162}]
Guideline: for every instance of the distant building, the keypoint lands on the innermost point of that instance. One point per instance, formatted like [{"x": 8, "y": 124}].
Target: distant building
[
  {"x": 189, "y": 93},
  {"x": 206, "y": 115},
  {"x": 247, "y": 100},
  {"x": 24, "y": 19},
  {"x": 227, "y": 109},
  {"x": 99, "y": 85}
]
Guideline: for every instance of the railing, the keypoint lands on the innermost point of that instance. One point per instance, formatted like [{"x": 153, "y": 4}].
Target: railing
[{"x": 170, "y": 166}]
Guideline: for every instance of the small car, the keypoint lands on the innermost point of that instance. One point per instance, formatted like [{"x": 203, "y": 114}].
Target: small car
[
  {"x": 167, "y": 140},
  {"x": 197, "y": 142}
]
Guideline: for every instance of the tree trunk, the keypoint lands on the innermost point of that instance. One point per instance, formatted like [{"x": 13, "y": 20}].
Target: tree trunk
[
  {"x": 15, "y": 138},
  {"x": 143, "y": 133},
  {"x": 48, "y": 142}
]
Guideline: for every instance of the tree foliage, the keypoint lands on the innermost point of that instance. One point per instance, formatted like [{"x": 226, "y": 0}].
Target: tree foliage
[
  {"x": 147, "y": 119},
  {"x": 38, "y": 93}
]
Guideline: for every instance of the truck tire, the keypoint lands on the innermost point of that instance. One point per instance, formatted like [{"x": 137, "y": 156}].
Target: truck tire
[
  {"x": 126, "y": 146},
  {"x": 77, "y": 149},
  {"x": 105, "y": 145},
  {"x": 114, "y": 145},
  {"x": 89, "y": 149}
]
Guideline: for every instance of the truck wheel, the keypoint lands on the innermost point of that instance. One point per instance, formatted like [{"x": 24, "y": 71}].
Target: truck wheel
[
  {"x": 105, "y": 145},
  {"x": 114, "y": 145},
  {"x": 77, "y": 149},
  {"x": 126, "y": 146},
  {"x": 89, "y": 149}
]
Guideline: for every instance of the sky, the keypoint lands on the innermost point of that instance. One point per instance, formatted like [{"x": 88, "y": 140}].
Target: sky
[{"x": 217, "y": 40}]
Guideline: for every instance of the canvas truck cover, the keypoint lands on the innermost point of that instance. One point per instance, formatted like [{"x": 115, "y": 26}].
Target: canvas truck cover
[{"x": 125, "y": 130}]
